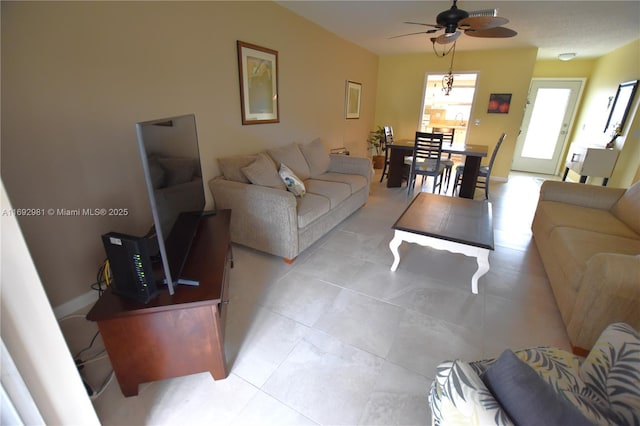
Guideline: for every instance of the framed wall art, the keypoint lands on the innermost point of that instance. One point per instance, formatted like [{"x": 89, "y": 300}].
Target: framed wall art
[
  {"x": 352, "y": 102},
  {"x": 258, "y": 69},
  {"x": 499, "y": 103},
  {"x": 621, "y": 105}
]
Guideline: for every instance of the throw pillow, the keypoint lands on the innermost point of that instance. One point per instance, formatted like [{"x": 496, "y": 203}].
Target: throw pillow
[
  {"x": 526, "y": 397},
  {"x": 293, "y": 158},
  {"x": 231, "y": 167},
  {"x": 291, "y": 181},
  {"x": 317, "y": 157},
  {"x": 263, "y": 172}
]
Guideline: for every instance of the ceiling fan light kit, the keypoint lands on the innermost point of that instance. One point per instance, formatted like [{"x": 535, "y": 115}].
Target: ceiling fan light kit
[{"x": 481, "y": 23}]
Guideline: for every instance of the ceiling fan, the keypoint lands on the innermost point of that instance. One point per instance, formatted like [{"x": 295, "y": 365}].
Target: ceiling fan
[{"x": 479, "y": 23}]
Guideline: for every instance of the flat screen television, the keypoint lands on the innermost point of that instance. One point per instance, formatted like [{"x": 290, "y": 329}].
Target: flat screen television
[{"x": 171, "y": 163}]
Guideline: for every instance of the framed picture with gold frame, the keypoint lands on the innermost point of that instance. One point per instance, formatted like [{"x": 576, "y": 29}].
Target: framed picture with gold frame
[
  {"x": 352, "y": 99},
  {"x": 258, "y": 70}
]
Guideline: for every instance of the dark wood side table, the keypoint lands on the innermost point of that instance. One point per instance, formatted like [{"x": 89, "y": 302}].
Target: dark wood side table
[{"x": 175, "y": 335}]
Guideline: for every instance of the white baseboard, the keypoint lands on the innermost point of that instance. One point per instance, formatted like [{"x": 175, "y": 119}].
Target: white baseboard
[{"x": 74, "y": 305}]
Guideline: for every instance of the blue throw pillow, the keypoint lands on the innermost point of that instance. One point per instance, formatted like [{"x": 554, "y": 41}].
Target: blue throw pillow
[{"x": 526, "y": 397}]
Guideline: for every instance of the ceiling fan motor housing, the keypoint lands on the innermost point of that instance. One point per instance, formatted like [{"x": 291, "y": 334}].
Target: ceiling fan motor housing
[{"x": 449, "y": 18}]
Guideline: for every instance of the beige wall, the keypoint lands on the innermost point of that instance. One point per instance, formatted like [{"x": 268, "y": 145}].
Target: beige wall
[
  {"x": 401, "y": 80},
  {"x": 77, "y": 76},
  {"x": 619, "y": 66}
]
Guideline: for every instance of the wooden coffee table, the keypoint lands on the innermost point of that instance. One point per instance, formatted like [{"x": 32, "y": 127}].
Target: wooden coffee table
[{"x": 458, "y": 225}]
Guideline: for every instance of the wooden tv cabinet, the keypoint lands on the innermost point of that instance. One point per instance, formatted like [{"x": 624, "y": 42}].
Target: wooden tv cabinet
[{"x": 175, "y": 335}]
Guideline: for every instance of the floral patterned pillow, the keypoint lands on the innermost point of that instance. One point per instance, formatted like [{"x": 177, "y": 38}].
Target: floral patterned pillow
[
  {"x": 291, "y": 181},
  {"x": 465, "y": 398}
]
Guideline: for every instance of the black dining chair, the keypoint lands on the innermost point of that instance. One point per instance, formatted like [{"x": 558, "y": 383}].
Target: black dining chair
[
  {"x": 484, "y": 174},
  {"x": 448, "y": 134},
  {"x": 426, "y": 160},
  {"x": 388, "y": 140}
]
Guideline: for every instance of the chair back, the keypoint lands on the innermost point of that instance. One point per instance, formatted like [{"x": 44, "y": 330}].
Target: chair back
[
  {"x": 447, "y": 134},
  {"x": 495, "y": 151},
  {"x": 428, "y": 147},
  {"x": 388, "y": 135}
]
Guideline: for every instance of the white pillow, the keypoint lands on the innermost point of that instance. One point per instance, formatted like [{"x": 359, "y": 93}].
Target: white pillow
[{"x": 291, "y": 181}]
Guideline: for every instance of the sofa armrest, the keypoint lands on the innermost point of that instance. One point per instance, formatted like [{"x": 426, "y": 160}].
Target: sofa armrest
[
  {"x": 263, "y": 218},
  {"x": 596, "y": 197},
  {"x": 350, "y": 165},
  {"x": 608, "y": 293}
]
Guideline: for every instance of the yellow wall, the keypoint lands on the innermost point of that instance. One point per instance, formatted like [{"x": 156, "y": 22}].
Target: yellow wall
[
  {"x": 400, "y": 85},
  {"x": 77, "y": 76},
  {"x": 619, "y": 66},
  {"x": 555, "y": 68}
]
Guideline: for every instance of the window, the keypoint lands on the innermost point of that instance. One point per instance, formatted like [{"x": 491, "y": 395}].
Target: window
[{"x": 453, "y": 110}]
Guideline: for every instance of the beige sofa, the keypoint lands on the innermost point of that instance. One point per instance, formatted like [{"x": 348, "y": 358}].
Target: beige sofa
[
  {"x": 589, "y": 241},
  {"x": 268, "y": 217}
]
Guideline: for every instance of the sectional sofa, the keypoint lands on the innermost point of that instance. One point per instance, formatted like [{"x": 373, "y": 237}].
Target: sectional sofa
[{"x": 284, "y": 219}]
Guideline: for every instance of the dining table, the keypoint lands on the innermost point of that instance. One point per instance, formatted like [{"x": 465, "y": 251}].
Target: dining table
[{"x": 473, "y": 157}]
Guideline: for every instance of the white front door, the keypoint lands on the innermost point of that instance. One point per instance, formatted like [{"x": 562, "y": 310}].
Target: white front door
[{"x": 546, "y": 124}]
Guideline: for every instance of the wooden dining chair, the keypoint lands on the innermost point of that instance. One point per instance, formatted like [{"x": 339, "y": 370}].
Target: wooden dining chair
[
  {"x": 448, "y": 134},
  {"x": 426, "y": 160},
  {"x": 484, "y": 174},
  {"x": 388, "y": 140}
]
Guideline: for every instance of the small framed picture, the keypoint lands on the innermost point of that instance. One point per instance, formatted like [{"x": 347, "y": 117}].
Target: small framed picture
[
  {"x": 352, "y": 102},
  {"x": 258, "y": 69},
  {"x": 499, "y": 103}
]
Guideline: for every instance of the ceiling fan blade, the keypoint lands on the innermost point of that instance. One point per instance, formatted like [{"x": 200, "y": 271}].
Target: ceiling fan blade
[
  {"x": 498, "y": 32},
  {"x": 410, "y": 34},
  {"x": 482, "y": 22},
  {"x": 426, "y": 25},
  {"x": 448, "y": 37}
]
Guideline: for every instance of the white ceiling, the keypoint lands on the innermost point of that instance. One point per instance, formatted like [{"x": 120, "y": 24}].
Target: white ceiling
[{"x": 588, "y": 28}]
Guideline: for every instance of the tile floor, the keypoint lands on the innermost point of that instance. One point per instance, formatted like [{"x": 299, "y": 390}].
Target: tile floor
[{"x": 338, "y": 339}]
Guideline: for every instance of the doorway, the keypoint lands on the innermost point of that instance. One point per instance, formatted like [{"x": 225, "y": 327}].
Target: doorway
[
  {"x": 448, "y": 111},
  {"x": 547, "y": 121}
]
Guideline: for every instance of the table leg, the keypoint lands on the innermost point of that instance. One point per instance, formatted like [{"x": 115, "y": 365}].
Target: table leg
[
  {"x": 482, "y": 258},
  {"x": 394, "y": 244},
  {"x": 470, "y": 176},
  {"x": 396, "y": 164}
]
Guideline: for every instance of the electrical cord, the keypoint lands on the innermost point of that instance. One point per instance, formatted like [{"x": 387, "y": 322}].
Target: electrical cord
[
  {"x": 103, "y": 278},
  {"x": 80, "y": 363}
]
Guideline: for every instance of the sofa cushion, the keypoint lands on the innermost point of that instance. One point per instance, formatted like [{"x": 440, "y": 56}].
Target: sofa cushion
[
  {"x": 336, "y": 192},
  {"x": 627, "y": 209},
  {"x": 311, "y": 207},
  {"x": 526, "y": 397},
  {"x": 293, "y": 158},
  {"x": 574, "y": 247},
  {"x": 552, "y": 214},
  {"x": 231, "y": 167},
  {"x": 291, "y": 181},
  {"x": 356, "y": 182},
  {"x": 317, "y": 157},
  {"x": 263, "y": 172}
]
